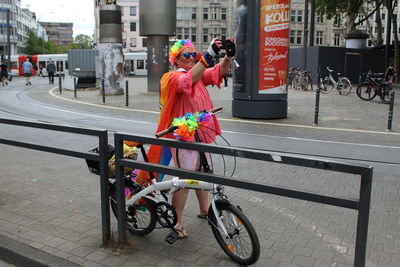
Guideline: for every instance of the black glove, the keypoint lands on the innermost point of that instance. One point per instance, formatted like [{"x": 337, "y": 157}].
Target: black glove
[
  {"x": 229, "y": 47},
  {"x": 214, "y": 47}
]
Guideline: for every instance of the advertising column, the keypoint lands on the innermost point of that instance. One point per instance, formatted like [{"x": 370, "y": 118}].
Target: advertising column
[
  {"x": 274, "y": 32},
  {"x": 260, "y": 74}
]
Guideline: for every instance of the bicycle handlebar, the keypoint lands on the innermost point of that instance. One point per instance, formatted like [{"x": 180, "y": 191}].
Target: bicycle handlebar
[{"x": 173, "y": 128}]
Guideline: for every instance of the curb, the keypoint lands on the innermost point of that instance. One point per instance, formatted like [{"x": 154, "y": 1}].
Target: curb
[{"x": 20, "y": 254}]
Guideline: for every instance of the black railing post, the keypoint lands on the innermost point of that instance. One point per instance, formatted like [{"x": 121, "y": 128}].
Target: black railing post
[
  {"x": 316, "y": 113},
  {"x": 74, "y": 87},
  {"x": 391, "y": 105},
  {"x": 119, "y": 180},
  {"x": 60, "y": 84},
  {"x": 363, "y": 218},
  {"x": 103, "y": 91},
  {"x": 126, "y": 93},
  {"x": 104, "y": 188}
]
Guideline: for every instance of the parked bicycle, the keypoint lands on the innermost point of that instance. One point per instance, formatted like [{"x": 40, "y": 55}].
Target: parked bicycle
[
  {"x": 343, "y": 84},
  {"x": 372, "y": 87},
  {"x": 149, "y": 202},
  {"x": 299, "y": 80}
]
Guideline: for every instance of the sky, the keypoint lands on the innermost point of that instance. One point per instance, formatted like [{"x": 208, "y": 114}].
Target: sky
[{"x": 79, "y": 12}]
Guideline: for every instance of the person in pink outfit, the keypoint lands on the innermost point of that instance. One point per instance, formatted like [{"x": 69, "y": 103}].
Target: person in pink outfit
[{"x": 187, "y": 92}]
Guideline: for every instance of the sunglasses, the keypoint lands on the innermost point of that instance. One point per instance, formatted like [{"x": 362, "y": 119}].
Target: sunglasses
[{"x": 188, "y": 54}]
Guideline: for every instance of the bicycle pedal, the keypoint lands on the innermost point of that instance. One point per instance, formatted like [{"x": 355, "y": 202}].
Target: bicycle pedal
[{"x": 172, "y": 237}]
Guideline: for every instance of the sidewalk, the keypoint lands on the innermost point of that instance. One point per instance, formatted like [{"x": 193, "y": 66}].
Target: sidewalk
[{"x": 336, "y": 111}]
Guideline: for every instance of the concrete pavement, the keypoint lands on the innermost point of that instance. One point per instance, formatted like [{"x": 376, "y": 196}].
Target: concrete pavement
[{"x": 51, "y": 203}]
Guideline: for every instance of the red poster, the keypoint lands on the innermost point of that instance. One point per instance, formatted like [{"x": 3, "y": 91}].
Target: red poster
[{"x": 274, "y": 46}]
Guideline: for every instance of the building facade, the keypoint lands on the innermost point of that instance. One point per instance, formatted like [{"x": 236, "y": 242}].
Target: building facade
[
  {"x": 59, "y": 33},
  {"x": 21, "y": 20},
  {"x": 332, "y": 32},
  {"x": 132, "y": 42}
]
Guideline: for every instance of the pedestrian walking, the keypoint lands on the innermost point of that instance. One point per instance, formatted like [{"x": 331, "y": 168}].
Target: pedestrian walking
[
  {"x": 27, "y": 69},
  {"x": 4, "y": 74},
  {"x": 51, "y": 69}
]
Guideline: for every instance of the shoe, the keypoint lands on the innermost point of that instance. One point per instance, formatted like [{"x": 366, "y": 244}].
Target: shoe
[
  {"x": 6, "y": 83},
  {"x": 202, "y": 216},
  {"x": 26, "y": 84},
  {"x": 30, "y": 83},
  {"x": 181, "y": 233}
]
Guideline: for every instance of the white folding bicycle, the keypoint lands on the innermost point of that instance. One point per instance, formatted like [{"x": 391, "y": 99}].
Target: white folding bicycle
[{"x": 149, "y": 204}]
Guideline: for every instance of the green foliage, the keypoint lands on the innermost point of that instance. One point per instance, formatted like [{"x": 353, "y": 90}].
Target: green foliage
[{"x": 36, "y": 45}]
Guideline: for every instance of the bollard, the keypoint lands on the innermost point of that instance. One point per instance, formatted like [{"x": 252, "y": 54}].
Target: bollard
[
  {"x": 391, "y": 105},
  {"x": 74, "y": 87},
  {"x": 317, "y": 106},
  {"x": 126, "y": 93},
  {"x": 59, "y": 84},
  {"x": 103, "y": 91}
]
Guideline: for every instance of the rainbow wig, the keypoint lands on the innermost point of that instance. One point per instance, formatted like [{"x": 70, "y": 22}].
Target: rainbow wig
[{"x": 177, "y": 48}]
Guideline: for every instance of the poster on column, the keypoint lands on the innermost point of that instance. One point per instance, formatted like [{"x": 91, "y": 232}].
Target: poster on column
[{"x": 274, "y": 46}]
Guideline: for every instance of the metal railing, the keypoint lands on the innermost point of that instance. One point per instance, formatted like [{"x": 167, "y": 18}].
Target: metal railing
[
  {"x": 101, "y": 158},
  {"x": 362, "y": 205}
]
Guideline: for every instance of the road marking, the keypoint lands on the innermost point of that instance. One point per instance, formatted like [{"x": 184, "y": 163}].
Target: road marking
[
  {"x": 237, "y": 120},
  {"x": 313, "y": 140}
]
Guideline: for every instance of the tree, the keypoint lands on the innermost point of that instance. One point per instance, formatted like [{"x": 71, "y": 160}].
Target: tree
[
  {"x": 83, "y": 41},
  {"x": 36, "y": 45},
  {"x": 390, "y": 5},
  {"x": 351, "y": 8}
]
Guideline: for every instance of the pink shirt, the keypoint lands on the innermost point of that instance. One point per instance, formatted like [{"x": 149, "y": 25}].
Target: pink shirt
[{"x": 194, "y": 97}]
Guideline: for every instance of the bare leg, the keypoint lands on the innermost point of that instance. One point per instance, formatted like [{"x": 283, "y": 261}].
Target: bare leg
[
  {"x": 202, "y": 197},
  {"x": 179, "y": 201}
]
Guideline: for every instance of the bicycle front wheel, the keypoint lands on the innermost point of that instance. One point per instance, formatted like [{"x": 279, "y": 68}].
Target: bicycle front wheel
[
  {"x": 365, "y": 91},
  {"x": 140, "y": 217},
  {"x": 385, "y": 93},
  {"x": 344, "y": 86},
  {"x": 241, "y": 244}
]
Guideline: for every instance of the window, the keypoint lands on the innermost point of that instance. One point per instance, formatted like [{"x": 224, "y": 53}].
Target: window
[
  {"x": 337, "y": 21},
  {"x": 205, "y": 35},
  {"x": 194, "y": 10},
  {"x": 205, "y": 13},
  {"x": 299, "y": 37},
  {"x": 144, "y": 40},
  {"x": 223, "y": 33},
  {"x": 336, "y": 40},
  {"x": 320, "y": 38},
  {"x": 133, "y": 26},
  {"x": 292, "y": 15},
  {"x": 213, "y": 13},
  {"x": 132, "y": 11},
  {"x": 292, "y": 36},
  {"x": 299, "y": 15},
  {"x": 383, "y": 16},
  {"x": 369, "y": 42},
  {"x": 193, "y": 37},
  {"x": 179, "y": 33},
  {"x": 320, "y": 18},
  {"x": 140, "y": 64},
  {"x": 132, "y": 42},
  {"x": 186, "y": 31},
  {"x": 361, "y": 17},
  {"x": 223, "y": 13}
]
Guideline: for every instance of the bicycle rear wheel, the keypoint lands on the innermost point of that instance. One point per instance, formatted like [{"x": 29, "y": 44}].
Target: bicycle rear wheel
[
  {"x": 140, "y": 217},
  {"x": 365, "y": 91},
  {"x": 241, "y": 244},
  {"x": 344, "y": 86},
  {"x": 327, "y": 86},
  {"x": 385, "y": 93}
]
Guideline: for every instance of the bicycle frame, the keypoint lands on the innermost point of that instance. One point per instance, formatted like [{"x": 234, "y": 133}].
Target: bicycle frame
[{"x": 158, "y": 191}]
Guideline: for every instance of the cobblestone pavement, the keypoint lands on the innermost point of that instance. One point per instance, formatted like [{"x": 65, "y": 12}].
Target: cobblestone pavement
[{"x": 51, "y": 202}]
